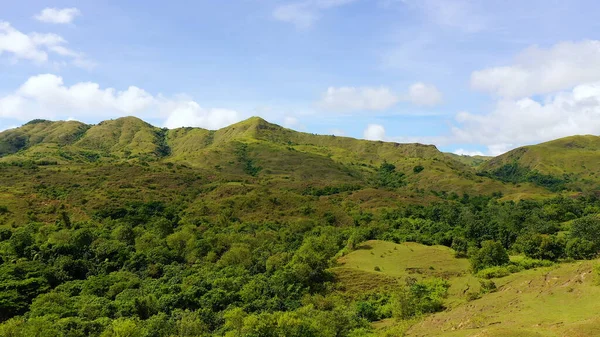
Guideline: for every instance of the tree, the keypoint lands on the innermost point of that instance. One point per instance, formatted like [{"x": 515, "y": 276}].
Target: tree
[
  {"x": 543, "y": 247},
  {"x": 491, "y": 254},
  {"x": 587, "y": 228},
  {"x": 581, "y": 249}
]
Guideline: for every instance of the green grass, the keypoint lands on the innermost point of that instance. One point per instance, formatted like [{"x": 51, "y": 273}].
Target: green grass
[
  {"x": 406, "y": 259},
  {"x": 554, "y": 301}
]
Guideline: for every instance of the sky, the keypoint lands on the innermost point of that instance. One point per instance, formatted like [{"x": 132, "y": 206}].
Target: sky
[{"x": 471, "y": 77}]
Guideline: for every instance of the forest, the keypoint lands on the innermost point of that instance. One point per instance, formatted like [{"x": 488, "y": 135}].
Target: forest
[{"x": 139, "y": 270}]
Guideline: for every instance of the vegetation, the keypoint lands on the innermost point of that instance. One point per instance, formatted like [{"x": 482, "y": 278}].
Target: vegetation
[{"x": 123, "y": 229}]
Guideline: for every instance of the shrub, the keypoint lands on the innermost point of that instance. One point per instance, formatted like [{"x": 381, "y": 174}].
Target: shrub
[
  {"x": 493, "y": 272},
  {"x": 366, "y": 310},
  {"x": 587, "y": 228},
  {"x": 528, "y": 263},
  {"x": 544, "y": 247},
  {"x": 473, "y": 295},
  {"x": 491, "y": 254},
  {"x": 422, "y": 297},
  {"x": 487, "y": 286},
  {"x": 581, "y": 249},
  {"x": 418, "y": 169}
]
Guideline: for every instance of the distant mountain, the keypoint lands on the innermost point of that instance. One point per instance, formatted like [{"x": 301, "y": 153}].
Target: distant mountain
[{"x": 469, "y": 160}]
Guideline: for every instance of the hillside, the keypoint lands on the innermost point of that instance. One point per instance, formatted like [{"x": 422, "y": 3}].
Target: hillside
[
  {"x": 244, "y": 159},
  {"x": 474, "y": 161},
  {"x": 126, "y": 229},
  {"x": 572, "y": 161}
]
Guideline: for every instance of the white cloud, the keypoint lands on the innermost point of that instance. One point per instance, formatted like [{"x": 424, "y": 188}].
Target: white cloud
[
  {"x": 290, "y": 122},
  {"x": 354, "y": 99},
  {"x": 36, "y": 47},
  {"x": 60, "y": 16},
  {"x": 463, "y": 152},
  {"x": 374, "y": 132},
  {"x": 525, "y": 121},
  {"x": 424, "y": 94},
  {"x": 46, "y": 96},
  {"x": 305, "y": 13},
  {"x": 541, "y": 71},
  {"x": 191, "y": 113},
  {"x": 345, "y": 99}
]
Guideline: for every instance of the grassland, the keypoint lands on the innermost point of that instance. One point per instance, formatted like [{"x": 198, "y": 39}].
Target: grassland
[
  {"x": 552, "y": 301},
  {"x": 561, "y": 300}
]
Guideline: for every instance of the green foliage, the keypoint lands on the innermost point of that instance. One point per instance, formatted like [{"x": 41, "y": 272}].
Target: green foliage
[
  {"x": 543, "y": 247},
  {"x": 123, "y": 229},
  {"x": 417, "y": 298},
  {"x": 581, "y": 249},
  {"x": 587, "y": 228},
  {"x": 515, "y": 173},
  {"x": 248, "y": 164},
  {"x": 491, "y": 254},
  {"x": 494, "y": 272},
  {"x": 388, "y": 177}
]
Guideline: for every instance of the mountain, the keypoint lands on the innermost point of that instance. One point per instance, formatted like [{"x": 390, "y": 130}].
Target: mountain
[
  {"x": 570, "y": 162},
  {"x": 225, "y": 165}
]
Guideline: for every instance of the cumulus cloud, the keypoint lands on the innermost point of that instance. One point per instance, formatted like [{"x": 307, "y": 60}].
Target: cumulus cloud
[
  {"x": 47, "y": 96},
  {"x": 304, "y": 14},
  {"x": 345, "y": 99},
  {"x": 290, "y": 122},
  {"x": 58, "y": 16},
  {"x": 424, "y": 94},
  {"x": 541, "y": 71},
  {"x": 374, "y": 132},
  {"x": 353, "y": 99},
  {"x": 36, "y": 47},
  {"x": 463, "y": 152},
  {"x": 515, "y": 122},
  {"x": 190, "y": 113}
]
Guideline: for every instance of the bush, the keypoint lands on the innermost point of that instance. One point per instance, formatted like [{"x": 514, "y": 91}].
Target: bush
[
  {"x": 473, "y": 295},
  {"x": 422, "y": 297},
  {"x": 366, "y": 310},
  {"x": 528, "y": 263},
  {"x": 418, "y": 169},
  {"x": 587, "y": 228},
  {"x": 544, "y": 247},
  {"x": 494, "y": 272},
  {"x": 491, "y": 254},
  {"x": 487, "y": 286},
  {"x": 581, "y": 249}
]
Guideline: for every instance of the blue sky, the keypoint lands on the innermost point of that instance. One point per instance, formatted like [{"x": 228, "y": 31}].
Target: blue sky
[{"x": 467, "y": 76}]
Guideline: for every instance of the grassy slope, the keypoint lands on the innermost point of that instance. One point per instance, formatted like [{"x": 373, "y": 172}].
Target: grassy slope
[
  {"x": 396, "y": 262},
  {"x": 575, "y": 155},
  {"x": 553, "y": 301},
  {"x": 473, "y": 161}
]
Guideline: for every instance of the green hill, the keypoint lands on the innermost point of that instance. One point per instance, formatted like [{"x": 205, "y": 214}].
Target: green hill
[
  {"x": 469, "y": 160},
  {"x": 126, "y": 229},
  {"x": 571, "y": 162}
]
